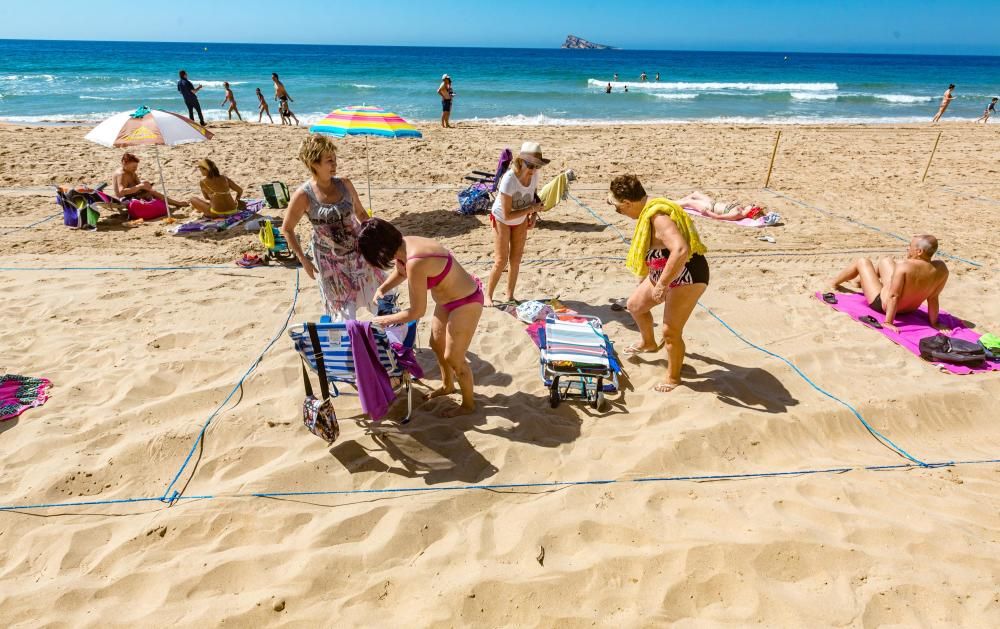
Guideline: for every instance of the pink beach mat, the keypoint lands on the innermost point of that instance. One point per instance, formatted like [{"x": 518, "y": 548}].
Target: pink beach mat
[
  {"x": 913, "y": 326},
  {"x": 743, "y": 222}
]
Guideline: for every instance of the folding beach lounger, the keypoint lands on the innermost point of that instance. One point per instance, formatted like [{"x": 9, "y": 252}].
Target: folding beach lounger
[
  {"x": 577, "y": 360},
  {"x": 339, "y": 362}
]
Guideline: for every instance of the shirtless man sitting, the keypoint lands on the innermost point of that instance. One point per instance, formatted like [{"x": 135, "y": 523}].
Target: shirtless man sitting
[
  {"x": 898, "y": 286},
  {"x": 127, "y": 185}
]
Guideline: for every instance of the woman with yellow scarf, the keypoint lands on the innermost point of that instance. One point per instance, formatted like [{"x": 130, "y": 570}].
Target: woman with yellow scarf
[{"x": 668, "y": 255}]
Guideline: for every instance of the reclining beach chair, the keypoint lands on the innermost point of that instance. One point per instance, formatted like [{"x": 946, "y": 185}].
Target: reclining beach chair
[
  {"x": 339, "y": 361},
  {"x": 577, "y": 360},
  {"x": 492, "y": 180}
]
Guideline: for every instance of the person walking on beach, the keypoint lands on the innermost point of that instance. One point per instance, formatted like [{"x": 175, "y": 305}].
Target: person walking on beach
[
  {"x": 231, "y": 100},
  {"x": 281, "y": 95},
  {"x": 669, "y": 257},
  {"x": 333, "y": 207},
  {"x": 426, "y": 266},
  {"x": 262, "y": 107},
  {"x": 190, "y": 94},
  {"x": 990, "y": 110},
  {"x": 447, "y": 95},
  {"x": 945, "y": 101}
]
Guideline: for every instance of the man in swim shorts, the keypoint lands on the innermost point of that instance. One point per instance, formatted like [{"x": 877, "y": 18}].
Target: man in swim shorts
[
  {"x": 447, "y": 95},
  {"x": 898, "y": 286},
  {"x": 281, "y": 95}
]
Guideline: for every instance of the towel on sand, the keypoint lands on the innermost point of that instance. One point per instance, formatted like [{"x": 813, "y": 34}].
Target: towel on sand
[
  {"x": 203, "y": 225},
  {"x": 19, "y": 393},
  {"x": 913, "y": 326}
]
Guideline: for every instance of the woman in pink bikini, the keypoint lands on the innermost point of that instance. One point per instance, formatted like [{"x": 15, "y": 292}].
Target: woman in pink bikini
[{"x": 427, "y": 266}]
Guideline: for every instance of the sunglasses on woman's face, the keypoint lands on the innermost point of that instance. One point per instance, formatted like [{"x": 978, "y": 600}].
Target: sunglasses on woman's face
[{"x": 531, "y": 166}]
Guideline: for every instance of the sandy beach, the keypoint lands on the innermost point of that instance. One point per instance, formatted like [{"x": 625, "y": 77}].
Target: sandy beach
[{"x": 141, "y": 355}]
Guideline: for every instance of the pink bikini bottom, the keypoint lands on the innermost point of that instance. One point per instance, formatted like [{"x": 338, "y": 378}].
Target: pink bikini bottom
[{"x": 475, "y": 298}]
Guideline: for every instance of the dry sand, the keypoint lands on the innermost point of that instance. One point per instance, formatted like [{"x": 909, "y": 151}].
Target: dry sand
[{"x": 141, "y": 358}]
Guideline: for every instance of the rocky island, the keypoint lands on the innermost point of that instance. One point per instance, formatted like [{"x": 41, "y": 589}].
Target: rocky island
[{"x": 572, "y": 41}]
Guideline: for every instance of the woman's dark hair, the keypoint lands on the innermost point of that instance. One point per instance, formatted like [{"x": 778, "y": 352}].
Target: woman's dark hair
[
  {"x": 627, "y": 188},
  {"x": 378, "y": 242},
  {"x": 128, "y": 158},
  {"x": 952, "y": 86}
]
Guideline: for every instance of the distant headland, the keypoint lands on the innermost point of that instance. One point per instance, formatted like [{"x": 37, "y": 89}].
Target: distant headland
[{"x": 572, "y": 41}]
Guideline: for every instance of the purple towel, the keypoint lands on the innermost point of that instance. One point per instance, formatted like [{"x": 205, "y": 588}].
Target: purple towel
[
  {"x": 374, "y": 387},
  {"x": 913, "y": 326}
]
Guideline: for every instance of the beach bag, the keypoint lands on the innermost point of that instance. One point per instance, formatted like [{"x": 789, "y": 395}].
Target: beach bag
[
  {"x": 79, "y": 215},
  {"x": 531, "y": 311},
  {"x": 474, "y": 200},
  {"x": 276, "y": 194},
  {"x": 146, "y": 209},
  {"x": 944, "y": 349},
  {"x": 318, "y": 414}
]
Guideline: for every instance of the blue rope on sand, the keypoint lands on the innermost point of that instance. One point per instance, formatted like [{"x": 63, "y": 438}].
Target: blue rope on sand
[
  {"x": 697, "y": 478},
  {"x": 865, "y": 225},
  {"x": 971, "y": 196},
  {"x": 595, "y": 215},
  {"x": 879, "y": 436},
  {"x": 167, "y": 496},
  {"x": 44, "y": 220}
]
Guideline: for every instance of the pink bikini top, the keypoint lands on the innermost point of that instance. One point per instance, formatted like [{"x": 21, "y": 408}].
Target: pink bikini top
[{"x": 435, "y": 280}]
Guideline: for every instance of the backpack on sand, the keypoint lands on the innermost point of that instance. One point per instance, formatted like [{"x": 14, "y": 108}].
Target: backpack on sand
[{"x": 944, "y": 349}]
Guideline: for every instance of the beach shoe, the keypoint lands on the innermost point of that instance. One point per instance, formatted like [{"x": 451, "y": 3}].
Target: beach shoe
[
  {"x": 618, "y": 305},
  {"x": 772, "y": 218},
  {"x": 829, "y": 298},
  {"x": 769, "y": 239},
  {"x": 870, "y": 321},
  {"x": 249, "y": 261}
]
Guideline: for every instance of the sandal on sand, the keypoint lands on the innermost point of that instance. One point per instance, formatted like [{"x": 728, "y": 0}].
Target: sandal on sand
[
  {"x": 636, "y": 348},
  {"x": 829, "y": 298},
  {"x": 618, "y": 305},
  {"x": 870, "y": 321},
  {"x": 250, "y": 260}
]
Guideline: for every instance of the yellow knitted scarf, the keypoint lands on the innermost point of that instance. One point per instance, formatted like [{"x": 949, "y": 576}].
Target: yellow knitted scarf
[{"x": 636, "y": 260}]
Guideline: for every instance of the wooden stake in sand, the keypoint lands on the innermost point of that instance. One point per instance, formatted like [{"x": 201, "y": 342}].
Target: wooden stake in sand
[
  {"x": 773, "y": 154},
  {"x": 933, "y": 151}
]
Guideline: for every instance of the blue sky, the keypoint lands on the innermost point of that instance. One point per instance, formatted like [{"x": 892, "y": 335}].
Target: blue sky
[{"x": 887, "y": 26}]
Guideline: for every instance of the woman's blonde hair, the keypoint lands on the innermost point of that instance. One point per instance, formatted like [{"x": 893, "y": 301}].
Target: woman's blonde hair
[
  {"x": 209, "y": 167},
  {"x": 517, "y": 165},
  {"x": 313, "y": 148}
]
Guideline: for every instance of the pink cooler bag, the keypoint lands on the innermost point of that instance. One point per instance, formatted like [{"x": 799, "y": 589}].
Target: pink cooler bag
[{"x": 147, "y": 208}]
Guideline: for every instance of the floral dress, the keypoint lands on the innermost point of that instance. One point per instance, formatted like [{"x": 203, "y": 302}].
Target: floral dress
[{"x": 345, "y": 279}]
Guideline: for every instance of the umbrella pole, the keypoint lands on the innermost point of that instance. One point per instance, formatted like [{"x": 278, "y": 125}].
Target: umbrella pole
[
  {"x": 368, "y": 158},
  {"x": 166, "y": 197}
]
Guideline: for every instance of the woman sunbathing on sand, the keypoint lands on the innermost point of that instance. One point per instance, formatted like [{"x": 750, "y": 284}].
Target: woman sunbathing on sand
[
  {"x": 216, "y": 189},
  {"x": 668, "y": 255},
  {"x": 128, "y": 186},
  {"x": 427, "y": 266},
  {"x": 702, "y": 203}
]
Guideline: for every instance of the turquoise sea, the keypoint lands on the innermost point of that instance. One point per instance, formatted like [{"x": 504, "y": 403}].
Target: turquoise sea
[{"x": 66, "y": 81}]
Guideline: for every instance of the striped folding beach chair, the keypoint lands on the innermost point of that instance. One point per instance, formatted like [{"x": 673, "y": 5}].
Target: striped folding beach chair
[
  {"x": 577, "y": 360},
  {"x": 339, "y": 362}
]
